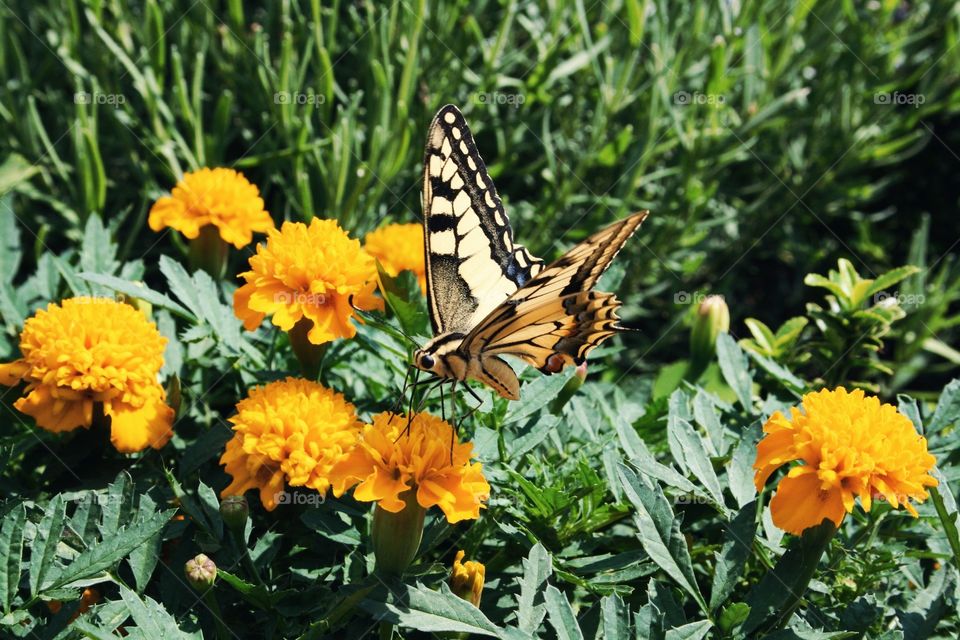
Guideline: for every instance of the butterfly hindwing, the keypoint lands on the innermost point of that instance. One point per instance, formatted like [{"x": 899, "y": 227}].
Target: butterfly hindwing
[
  {"x": 556, "y": 314},
  {"x": 472, "y": 263}
]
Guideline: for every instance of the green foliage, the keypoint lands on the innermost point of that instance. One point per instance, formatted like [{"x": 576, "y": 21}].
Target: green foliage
[{"x": 768, "y": 142}]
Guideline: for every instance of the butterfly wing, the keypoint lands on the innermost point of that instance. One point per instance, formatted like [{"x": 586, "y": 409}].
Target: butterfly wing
[
  {"x": 556, "y": 318},
  {"x": 472, "y": 263}
]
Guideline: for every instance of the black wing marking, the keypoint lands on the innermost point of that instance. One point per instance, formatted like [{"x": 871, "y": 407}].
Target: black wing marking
[{"x": 472, "y": 263}]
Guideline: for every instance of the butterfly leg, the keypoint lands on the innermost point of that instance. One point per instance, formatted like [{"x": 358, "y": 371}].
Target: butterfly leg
[{"x": 474, "y": 409}]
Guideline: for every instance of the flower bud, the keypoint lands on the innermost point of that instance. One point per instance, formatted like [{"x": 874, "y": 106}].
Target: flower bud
[
  {"x": 569, "y": 389},
  {"x": 396, "y": 536},
  {"x": 201, "y": 572},
  {"x": 234, "y": 511},
  {"x": 466, "y": 579},
  {"x": 712, "y": 318}
]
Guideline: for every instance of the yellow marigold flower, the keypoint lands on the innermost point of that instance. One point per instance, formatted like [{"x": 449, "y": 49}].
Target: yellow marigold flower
[
  {"x": 389, "y": 461},
  {"x": 93, "y": 351},
  {"x": 849, "y": 446},
  {"x": 466, "y": 579},
  {"x": 308, "y": 272},
  {"x": 399, "y": 247},
  {"x": 291, "y": 430},
  {"x": 220, "y": 197}
]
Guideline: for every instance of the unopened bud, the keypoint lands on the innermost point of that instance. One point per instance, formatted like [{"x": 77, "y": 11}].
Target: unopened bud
[
  {"x": 234, "y": 511},
  {"x": 201, "y": 572},
  {"x": 712, "y": 319}
]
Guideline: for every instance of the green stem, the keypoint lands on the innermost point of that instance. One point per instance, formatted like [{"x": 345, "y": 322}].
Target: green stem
[
  {"x": 245, "y": 559},
  {"x": 211, "y": 601}
]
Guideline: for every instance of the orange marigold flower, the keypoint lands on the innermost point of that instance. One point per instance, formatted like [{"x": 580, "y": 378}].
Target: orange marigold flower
[
  {"x": 93, "y": 351},
  {"x": 389, "y": 461},
  {"x": 849, "y": 445},
  {"x": 221, "y": 197},
  {"x": 399, "y": 247},
  {"x": 308, "y": 272},
  {"x": 291, "y": 430}
]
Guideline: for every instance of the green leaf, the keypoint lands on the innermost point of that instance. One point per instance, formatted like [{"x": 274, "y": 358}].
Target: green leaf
[
  {"x": 692, "y": 448},
  {"x": 561, "y": 615},
  {"x": 659, "y": 532},
  {"x": 789, "y": 331},
  {"x": 615, "y": 615},
  {"x": 690, "y": 631},
  {"x": 405, "y": 299},
  {"x": 426, "y": 610},
  {"x": 143, "y": 559},
  {"x": 10, "y": 248},
  {"x": 536, "y": 395},
  {"x": 740, "y": 468},
  {"x": 181, "y": 284},
  {"x": 762, "y": 335},
  {"x": 948, "y": 407},
  {"x": 255, "y": 594},
  {"x": 98, "y": 251},
  {"x": 110, "y": 550},
  {"x": 779, "y": 372},
  {"x": 117, "y": 506},
  {"x": 890, "y": 278},
  {"x": 817, "y": 280},
  {"x": 773, "y": 600},
  {"x": 733, "y": 365},
  {"x": 15, "y": 170},
  {"x": 135, "y": 290},
  {"x": 151, "y": 619},
  {"x": 43, "y": 547},
  {"x": 732, "y": 558},
  {"x": 11, "y": 554},
  {"x": 537, "y": 567}
]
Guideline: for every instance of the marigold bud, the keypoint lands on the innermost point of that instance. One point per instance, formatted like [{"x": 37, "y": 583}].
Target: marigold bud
[
  {"x": 201, "y": 572},
  {"x": 712, "y": 318},
  {"x": 234, "y": 511},
  {"x": 396, "y": 536},
  {"x": 466, "y": 579}
]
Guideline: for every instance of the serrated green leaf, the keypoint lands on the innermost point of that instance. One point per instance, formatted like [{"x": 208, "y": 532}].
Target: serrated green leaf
[
  {"x": 134, "y": 290},
  {"x": 889, "y": 279},
  {"x": 561, "y": 615},
  {"x": 615, "y": 617},
  {"x": 426, "y": 610},
  {"x": 659, "y": 532},
  {"x": 98, "y": 251},
  {"x": 151, "y": 619},
  {"x": 690, "y": 631},
  {"x": 11, "y": 554},
  {"x": 948, "y": 407},
  {"x": 143, "y": 559},
  {"x": 734, "y": 367},
  {"x": 43, "y": 547},
  {"x": 537, "y": 567},
  {"x": 117, "y": 506},
  {"x": 109, "y": 551},
  {"x": 536, "y": 395},
  {"x": 181, "y": 285},
  {"x": 697, "y": 459},
  {"x": 731, "y": 559}
]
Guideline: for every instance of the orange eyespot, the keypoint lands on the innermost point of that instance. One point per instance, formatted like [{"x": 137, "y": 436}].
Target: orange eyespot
[{"x": 554, "y": 363}]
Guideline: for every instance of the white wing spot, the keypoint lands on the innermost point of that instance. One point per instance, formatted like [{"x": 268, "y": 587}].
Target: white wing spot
[
  {"x": 463, "y": 148},
  {"x": 449, "y": 117},
  {"x": 461, "y": 203},
  {"x": 480, "y": 182},
  {"x": 445, "y": 148},
  {"x": 489, "y": 200},
  {"x": 456, "y": 183},
  {"x": 443, "y": 242},
  {"x": 471, "y": 164},
  {"x": 441, "y": 205},
  {"x": 456, "y": 133},
  {"x": 499, "y": 219},
  {"x": 449, "y": 169},
  {"x": 436, "y": 164}
]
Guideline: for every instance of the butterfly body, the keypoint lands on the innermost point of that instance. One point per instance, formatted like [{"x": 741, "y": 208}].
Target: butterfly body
[{"x": 489, "y": 297}]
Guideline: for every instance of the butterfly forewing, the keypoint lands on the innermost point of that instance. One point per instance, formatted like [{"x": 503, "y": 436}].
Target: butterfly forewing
[{"x": 473, "y": 265}]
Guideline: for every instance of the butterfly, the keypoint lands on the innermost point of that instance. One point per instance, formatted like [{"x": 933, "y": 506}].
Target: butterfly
[{"x": 489, "y": 297}]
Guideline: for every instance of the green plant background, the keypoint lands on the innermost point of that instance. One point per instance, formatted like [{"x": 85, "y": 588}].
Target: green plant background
[{"x": 769, "y": 140}]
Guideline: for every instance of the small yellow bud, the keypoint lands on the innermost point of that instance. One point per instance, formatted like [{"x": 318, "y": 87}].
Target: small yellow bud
[
  {"x": 201, "y": 572},
  {"x": 466, "y": 579}
]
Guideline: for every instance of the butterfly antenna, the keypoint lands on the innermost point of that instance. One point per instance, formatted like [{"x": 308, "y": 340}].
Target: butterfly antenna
[{"x": 368, "y": 317}]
